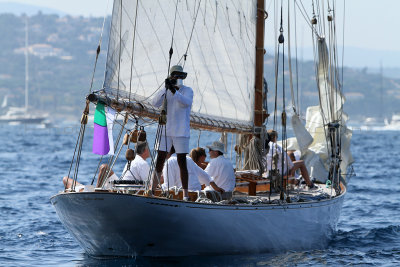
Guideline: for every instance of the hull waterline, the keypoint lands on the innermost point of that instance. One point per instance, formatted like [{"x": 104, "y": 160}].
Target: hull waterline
[{"x": 112, "y": 224}]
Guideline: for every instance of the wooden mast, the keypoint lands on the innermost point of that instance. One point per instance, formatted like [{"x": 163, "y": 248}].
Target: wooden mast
[{"x": 259, "y": 115}]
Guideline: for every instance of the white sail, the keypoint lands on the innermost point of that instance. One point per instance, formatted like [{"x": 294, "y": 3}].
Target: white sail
[
  {"x": 220, "y": 53},
  {"x": 331, "y": 100},
  {"x": 311, "y": 138}
]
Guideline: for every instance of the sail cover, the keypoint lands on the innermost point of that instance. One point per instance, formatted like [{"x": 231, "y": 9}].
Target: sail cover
[{"x": 217, "y": 36}]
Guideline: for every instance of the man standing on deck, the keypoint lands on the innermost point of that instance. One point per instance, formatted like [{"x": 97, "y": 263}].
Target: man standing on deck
[{"x": 178, "y": 100}]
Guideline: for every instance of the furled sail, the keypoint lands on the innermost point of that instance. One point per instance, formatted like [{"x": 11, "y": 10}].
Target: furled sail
[
  {"x": 314, "y": 147},
  {"x": 331, "y": 100},
  {"x": 217, "y": 38}
]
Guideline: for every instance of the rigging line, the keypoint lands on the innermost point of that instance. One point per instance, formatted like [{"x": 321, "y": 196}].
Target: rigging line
[
  {"x": 306, "y": 17},
  {"x": 150, "y": 21},
  {"x": 297, "y": 68},
  {"x": 152, "y": 155},
  {"x": 73, "y": 157},
  {"x": 133, "y": 50},
  {"x": 78, "y": 158},
  {"x": 321, "y": 20},
  {"x": 290, "y": 61},
  {"x": 233, "y": 69},
  {"x": 191, "y": 35},
  {"x": 97, "y": 169},
  {"x": 216, "y": 14},
  {"x": 166, "y": 148},
  {"x": 344, "y": 17},
  {"x": 249, "y": 55},
  {"x": 336, "y": 58},
  {"x": 283, "y": 119},
  {"x": 334, "y": 72},
  {"x": 110, "y": 160},
  {"x": 98, "y": 49},
  {"x": 113, "y": 157},
  {"x": 318, "y": 87},
  {"x": 323, "y": 16},
  {"x": 209, "y": 73},
  {"x": 171, "y": 51},
  {"x": 98, "y": 166},
  {"x": 149, "y": 59},
  {"x": 219, "y": 68},
  {"x": 120, "y": 48}
]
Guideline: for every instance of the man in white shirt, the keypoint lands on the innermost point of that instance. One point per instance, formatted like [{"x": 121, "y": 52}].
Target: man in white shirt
[
  {"x": 197, "y": 176},
  {"x": 139, "y": 168},
  {"x": 220, "y": 168},
  {"x": 178, "y": 100}
]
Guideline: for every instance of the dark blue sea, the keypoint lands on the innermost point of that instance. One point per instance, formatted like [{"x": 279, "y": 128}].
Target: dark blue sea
[{"x": 33, "y": 160}]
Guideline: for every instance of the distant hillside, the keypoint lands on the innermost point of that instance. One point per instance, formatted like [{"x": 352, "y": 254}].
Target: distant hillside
[
  {"x": 61, "y": 60},
  {"x": 62, "y": 54},
  {"x": 365, "y": 97}
]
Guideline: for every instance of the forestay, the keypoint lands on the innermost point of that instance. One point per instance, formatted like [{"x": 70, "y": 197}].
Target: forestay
[{"x": 217, "y": 36}]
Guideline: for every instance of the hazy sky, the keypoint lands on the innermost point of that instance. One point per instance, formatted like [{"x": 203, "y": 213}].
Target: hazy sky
[
  {"x": 73, "y": 7},
  {"x": 369, "y": 24}
]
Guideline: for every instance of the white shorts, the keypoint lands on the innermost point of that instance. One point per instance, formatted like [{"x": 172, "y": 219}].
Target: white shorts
[{"x": 181, "y": 144}]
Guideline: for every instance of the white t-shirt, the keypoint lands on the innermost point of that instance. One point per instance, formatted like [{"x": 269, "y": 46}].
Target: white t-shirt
[
  {"x": 139, "y": 170},
  {"x": 178, "y": 110},
  {"x": 274, "y": 149},
  {"x": 221, "y": 171},
  {"x": 197, "y": 176}
]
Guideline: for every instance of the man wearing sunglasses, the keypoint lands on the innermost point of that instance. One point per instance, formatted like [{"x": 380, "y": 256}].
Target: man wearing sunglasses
[{"x": 175, "y": 101}]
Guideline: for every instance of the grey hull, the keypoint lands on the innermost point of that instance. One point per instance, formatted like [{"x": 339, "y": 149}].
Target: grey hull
[{"x": 112, "y": 224}]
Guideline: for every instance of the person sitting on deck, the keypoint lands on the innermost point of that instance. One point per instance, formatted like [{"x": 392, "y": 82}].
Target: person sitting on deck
[
  {"x": 68, "y": 183},
  {"x": 198, "y": 155},
  {"x": 289, "y": 166},
  {"x": 220, "y": 168},
  {"x": 197, "y": 176},
  {"x": 139, "y": 168}
]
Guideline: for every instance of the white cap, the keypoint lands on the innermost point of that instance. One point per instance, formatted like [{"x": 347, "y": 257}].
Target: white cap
[{"x": 217, "y": 146}]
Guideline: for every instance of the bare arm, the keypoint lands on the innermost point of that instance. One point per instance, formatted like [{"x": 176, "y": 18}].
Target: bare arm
[{"x": 216, "y": 187}]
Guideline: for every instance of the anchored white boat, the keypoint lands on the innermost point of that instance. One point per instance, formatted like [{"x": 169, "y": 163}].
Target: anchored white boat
[
  {"x": 23, "y": 114},
  {"x": 394, "y": 123},
  {"x": 221, "y": 45}
]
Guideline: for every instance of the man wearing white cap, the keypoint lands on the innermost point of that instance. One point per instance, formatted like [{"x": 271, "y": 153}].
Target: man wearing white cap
[
  {"x": 178, "y": 100},
  {"x": 220, "y": 168}
]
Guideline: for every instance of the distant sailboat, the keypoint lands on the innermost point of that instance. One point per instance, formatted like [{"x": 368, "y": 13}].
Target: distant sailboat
[
  {"x": 394, "y": 123},
  {"x": 376, "y": 122},
  {"x": 23, "y": 114}
]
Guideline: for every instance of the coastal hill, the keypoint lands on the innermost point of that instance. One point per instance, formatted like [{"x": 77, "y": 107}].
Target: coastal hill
[{"x": 62, "y": 55}]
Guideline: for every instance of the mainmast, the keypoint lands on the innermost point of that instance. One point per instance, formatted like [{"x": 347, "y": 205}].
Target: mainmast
[{"x": 259, "y": 66}]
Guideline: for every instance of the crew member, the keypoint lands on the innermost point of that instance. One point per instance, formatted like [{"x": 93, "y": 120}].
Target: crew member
[
  {"x": 176, "y": 100},
  {"x": 139, "y": 169},
  {"x": 220, "y": 168}
]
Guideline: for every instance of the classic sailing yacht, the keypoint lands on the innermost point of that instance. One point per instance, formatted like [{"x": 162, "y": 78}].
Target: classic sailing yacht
[
  {"x": 23, "y": 114},
  {"x": 221, "y": 46}
]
